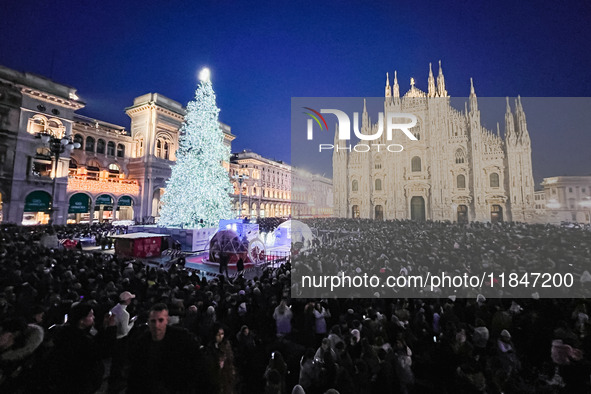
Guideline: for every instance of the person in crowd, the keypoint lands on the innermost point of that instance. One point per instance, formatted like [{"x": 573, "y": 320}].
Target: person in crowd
[
  {"x": 309, "y": 371},
  {"x": 50, "y": 239},
  {"x": 276, "y": 374},
  {"x": 403, "y": 367},
  {"x": 163, "y": 359},
  {"x": 283, "y": 316},
  {"x": 480, "y": 338},
  {"x": 18, "y": 343},
  {"x": 247, "y": 354},
  {"x": 320, "y": 315},
  {"x": 505, "y": 365},
  {"x": 326, "y": 358},
  {"x": 221, "y": 359},
  {"x": 223, "y": 262},
  {"x": 77, "y": 360},
  {"x": 124, "y": 324}
]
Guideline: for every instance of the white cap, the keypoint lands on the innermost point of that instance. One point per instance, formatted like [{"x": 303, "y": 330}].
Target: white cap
[{"x": 126, "y": 295}]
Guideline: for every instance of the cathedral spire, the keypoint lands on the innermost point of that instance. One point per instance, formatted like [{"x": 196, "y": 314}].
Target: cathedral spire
[
  {"x": 509, "y": 125},
  {"x": 388, "y": 89},
  {"x": 473, "y": 99},
  {"x": 337, "y": 141},
  {"x": 396, "y": 88},
  {"x": 520, "y": 121},
  {"x": 441, "y": 92},
  {"x": 364, "y": 117},
  {"x": 431, "y": 91}
]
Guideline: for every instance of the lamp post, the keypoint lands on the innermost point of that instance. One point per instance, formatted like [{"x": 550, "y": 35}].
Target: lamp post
[
  {"x": 240, "y": 178},
  {"x": 56, "y": 146}
]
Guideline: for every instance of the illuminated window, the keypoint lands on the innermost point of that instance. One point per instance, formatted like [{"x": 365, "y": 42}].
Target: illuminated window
[
  {"x": 37, "y": 124},
  {"x": 114, "y": 171},
  {"x": 55, "y": 128},
  {"x": 120, "y": 150}
]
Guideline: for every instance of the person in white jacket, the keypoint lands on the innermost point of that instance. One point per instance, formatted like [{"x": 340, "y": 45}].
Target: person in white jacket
[{"x": 124, "y": 324}]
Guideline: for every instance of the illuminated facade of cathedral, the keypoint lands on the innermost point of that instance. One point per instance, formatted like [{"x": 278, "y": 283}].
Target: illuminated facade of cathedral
[{"x": 457, "y": 170}]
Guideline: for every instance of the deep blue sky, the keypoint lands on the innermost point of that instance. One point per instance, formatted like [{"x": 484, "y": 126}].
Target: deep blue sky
[{"x": 263, "y": 53}]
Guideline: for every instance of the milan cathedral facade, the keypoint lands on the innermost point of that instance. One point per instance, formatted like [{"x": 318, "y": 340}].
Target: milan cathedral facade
[{"x": 456, "y": 170}]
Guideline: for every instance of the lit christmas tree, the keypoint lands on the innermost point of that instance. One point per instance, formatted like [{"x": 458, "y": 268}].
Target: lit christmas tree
[{"x": 199, "y": 187}]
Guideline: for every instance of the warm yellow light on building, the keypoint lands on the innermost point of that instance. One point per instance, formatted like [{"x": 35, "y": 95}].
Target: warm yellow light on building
[{"x": 103, "y": 186}]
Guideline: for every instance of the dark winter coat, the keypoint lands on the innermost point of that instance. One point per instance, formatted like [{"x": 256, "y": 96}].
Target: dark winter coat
[{"x": 166, "y": 366}]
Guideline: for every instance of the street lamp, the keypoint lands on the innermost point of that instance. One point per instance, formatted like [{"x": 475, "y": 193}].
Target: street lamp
[
  {"x": 57, "y": 146},
  {"x": 240, "y": 178}
]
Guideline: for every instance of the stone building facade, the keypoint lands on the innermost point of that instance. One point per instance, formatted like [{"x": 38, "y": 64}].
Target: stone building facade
[
  {"x": 567, "y": 199},
  {"x": 456, "y": 169},
  {"x": 29, "y": 105},
  {"x": 273, "y": 188},
  {"x": 116, "y": 173}
]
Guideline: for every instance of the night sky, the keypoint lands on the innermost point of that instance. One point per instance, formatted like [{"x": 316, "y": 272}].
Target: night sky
[{"x": 263, "y": 53}]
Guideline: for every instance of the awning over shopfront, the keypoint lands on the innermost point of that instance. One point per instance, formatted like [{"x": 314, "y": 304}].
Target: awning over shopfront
[
  {"x": 79, "y": 203},
  {"x": 124, "y": 201},
  {"x": 104, "y": 199},
  {"x": 37, "y": 201}
]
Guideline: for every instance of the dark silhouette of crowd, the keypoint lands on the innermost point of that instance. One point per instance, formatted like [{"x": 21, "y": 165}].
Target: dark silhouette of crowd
[{"x": 133, "y": 328}]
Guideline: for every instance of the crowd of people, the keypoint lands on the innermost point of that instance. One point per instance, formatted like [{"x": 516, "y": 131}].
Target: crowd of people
[
  {"x": 84, "y": 322},
  {"x": 391, "y": 248}
]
